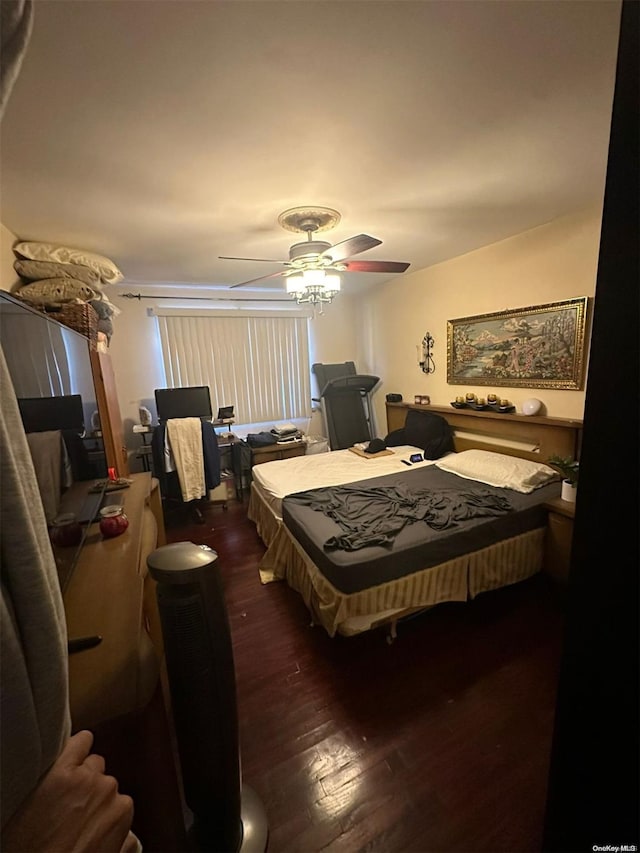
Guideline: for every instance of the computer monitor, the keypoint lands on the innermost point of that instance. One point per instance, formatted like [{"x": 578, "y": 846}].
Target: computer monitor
[
  {"x": 191, "y": 402},
  {"x": 41, "y": 414},
  {"x": 225, "y": 413}
]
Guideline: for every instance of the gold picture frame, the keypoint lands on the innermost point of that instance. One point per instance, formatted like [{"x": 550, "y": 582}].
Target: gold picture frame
[{"x": 538, "y": 347}]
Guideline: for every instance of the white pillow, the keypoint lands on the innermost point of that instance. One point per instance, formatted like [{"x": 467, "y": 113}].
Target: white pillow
[
  {"x": 35, "y": 251},
  {"x": 53, "y": 291},
  {"x": 39, "y": 270},
  {"x": 498, "y": 469}
]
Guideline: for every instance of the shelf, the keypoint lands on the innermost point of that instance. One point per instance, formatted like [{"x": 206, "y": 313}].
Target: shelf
[{"x": 487, "y": 413}]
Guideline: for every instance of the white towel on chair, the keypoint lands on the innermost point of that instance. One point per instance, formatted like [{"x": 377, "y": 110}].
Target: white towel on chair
[{"x": 185, "y": 440}]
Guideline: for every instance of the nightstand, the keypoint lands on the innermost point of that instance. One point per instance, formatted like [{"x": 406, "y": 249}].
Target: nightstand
[
  {"x": 272, "y": 452},
  {"x": 557, "y": 555}
]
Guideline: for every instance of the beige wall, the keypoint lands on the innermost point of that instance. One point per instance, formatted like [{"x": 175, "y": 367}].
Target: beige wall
[
  {"x": 8, "y": 276},
  {"x": 549, "y": 263},
  {"x": 553, "y": 262}
]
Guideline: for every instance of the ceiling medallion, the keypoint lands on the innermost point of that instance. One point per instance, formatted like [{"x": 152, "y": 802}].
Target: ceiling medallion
[{"x": 309, "y": 219}]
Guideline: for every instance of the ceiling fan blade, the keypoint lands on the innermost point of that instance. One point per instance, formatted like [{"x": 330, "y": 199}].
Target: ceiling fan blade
[
  {"x": 376, "y": 266},
  {"x": 352, "y": 246},
  {"x": 262, "y": 260},
  {"x": 252, "y": 280}
]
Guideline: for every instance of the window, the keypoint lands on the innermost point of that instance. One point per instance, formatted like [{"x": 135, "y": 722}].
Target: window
[{"x": 259, "y": 364}]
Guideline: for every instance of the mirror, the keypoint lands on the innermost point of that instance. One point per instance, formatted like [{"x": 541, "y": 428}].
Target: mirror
[
  {"x": 50, "y": 367},
  {"x": 45, "y": 358}
]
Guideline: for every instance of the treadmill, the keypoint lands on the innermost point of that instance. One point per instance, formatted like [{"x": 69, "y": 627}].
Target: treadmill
[{"x": 345, "y": 397}]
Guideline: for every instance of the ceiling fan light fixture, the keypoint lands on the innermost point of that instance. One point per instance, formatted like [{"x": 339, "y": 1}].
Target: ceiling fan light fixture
[
  {"x": 332, "y": 283},
  {"x": 313, "y": 286},
  {"x": 295, "y": 284},
  {"x": 313, "y": 277},
  {"x": 314, "y": 265}
]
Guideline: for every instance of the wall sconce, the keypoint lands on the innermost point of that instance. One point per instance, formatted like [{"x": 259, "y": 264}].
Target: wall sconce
[{"x": 425, "y": 360}]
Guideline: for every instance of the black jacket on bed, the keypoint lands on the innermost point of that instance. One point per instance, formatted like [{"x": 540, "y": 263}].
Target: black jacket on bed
[{"x": 426, "y": 430}]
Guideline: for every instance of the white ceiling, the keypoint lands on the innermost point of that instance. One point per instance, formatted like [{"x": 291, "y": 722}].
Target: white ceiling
[{"x": 163, "y": 134}]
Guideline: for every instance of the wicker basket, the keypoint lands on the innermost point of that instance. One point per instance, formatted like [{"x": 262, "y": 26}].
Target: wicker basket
[{"x": 79, "y": 316}]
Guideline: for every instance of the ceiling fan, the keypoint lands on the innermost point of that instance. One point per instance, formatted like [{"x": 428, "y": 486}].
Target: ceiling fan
[{"x": 317, "y": 261}]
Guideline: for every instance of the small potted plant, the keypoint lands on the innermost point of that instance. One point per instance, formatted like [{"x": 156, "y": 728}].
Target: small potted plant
[{"x": 569, "y": 468}]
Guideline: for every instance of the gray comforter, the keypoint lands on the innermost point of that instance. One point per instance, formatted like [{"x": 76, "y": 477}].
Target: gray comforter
[{"x": 375, "y": 516}]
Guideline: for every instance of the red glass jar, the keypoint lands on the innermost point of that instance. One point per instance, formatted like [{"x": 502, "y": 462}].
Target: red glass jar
[
  {"x": 113, "y": 521},
  {"x": 65, "y": 531}
]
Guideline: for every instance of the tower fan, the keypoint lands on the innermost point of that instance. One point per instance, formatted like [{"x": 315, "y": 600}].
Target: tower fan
[{"x": 228, "y": 817}]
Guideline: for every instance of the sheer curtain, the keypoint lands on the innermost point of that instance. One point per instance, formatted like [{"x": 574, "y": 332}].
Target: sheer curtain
[
  {"x": 258, "y": 363},
  {"x": 37, "y": 356}
]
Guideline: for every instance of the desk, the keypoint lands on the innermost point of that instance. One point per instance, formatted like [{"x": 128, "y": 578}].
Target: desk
[
  {"x": 240, "y": 461},
  {"x": 144, "y": 452}
]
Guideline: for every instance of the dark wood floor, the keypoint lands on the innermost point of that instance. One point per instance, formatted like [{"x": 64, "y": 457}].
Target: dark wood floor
[{"x": 439, "y": 742}]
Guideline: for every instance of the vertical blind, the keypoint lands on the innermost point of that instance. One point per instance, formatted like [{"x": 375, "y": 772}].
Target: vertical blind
[{"x": 259, "y": 364}]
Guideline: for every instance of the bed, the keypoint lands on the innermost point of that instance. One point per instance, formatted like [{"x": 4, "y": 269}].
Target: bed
[{"x": 312, "y": 514}]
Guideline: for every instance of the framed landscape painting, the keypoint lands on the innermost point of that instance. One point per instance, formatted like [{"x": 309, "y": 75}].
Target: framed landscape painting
[{"x": 538, "y": 347}]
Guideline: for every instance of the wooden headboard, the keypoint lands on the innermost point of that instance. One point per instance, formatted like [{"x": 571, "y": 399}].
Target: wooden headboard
[{"x": 532, "y": 437}]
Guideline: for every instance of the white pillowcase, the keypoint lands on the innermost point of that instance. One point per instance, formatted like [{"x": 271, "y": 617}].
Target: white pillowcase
[
  {"x": 35, "y": 251},
  {"x": 39, "y": 270},
  {"x": 498, "y": 469},
  {"x": 53, "y": 291}
]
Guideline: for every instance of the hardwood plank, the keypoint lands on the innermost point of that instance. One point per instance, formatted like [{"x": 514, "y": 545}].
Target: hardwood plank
[{"x": 437, "y": 743}]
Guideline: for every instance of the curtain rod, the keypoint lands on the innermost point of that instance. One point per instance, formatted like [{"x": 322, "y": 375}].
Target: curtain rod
[{"x": 205, "y": 298}]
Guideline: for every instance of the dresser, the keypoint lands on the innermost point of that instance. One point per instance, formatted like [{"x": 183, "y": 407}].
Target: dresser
[
  {"x": 117, "y": 688},
  {"x": 273, "y": 452},
  {"x": 107, "y": 593}
]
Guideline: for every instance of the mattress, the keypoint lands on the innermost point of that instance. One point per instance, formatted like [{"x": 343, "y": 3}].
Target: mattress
[
  {"x": 479, "y": 570},
  {"x": 276, "y": 479},
  {"x": 416, "y": 546},
  {"x": 508, "y": 562}
]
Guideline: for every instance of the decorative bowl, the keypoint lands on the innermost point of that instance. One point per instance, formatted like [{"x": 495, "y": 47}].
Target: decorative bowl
[
  {"x": 113, "y": 521},
  {"x": 65, "y": 530}
]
